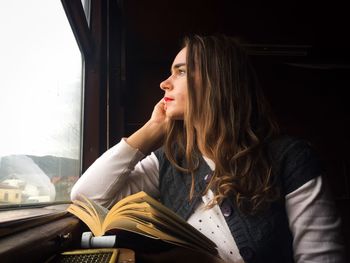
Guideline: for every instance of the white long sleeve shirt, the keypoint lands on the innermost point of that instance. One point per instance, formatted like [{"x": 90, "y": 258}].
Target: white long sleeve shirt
[{"x": 123, "y": 170}]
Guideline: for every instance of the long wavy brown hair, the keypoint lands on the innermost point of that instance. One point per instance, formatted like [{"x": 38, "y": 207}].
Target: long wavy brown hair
[{"x": 228, "y": 119}]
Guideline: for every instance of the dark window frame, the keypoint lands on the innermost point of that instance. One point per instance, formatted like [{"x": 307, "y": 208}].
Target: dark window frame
[{"x": 101, "y": 42}]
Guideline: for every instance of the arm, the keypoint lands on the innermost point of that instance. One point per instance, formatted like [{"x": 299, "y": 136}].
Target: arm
[
  {"x": 117, "y": 173},
  {"x": 150, "y": 136},
  {"x": 314, "y": 223},
  {"x": 120, "y": 170}
]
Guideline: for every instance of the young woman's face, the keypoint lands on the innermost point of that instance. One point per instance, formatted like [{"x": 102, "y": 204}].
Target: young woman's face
[{"x": 175, "y": 88}]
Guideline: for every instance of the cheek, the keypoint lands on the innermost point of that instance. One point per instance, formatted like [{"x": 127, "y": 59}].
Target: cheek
[
  {"x": 183, "y": 93},
  {"x": 181, "y": 104},
  {"x": 183, "y": 99}
]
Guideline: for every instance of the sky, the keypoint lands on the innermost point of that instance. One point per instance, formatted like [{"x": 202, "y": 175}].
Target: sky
[{"x": 40, "y": 80}]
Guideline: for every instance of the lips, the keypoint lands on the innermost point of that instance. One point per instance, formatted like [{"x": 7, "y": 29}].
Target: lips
[{"x": 167, "y": 99}]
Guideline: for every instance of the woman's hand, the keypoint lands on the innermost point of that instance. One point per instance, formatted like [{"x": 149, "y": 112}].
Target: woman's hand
[
  {"x": 159, "y": 114},
  {"x": 151, "y": 135}
]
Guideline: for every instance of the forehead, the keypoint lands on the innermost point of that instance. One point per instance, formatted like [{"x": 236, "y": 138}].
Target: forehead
[{"x": 180, "y": 57}]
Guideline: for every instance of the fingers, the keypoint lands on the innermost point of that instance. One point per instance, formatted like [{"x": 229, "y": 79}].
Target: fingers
[
  {"x": 159, "y": 112},
  {"x": 161, "y": 104}
]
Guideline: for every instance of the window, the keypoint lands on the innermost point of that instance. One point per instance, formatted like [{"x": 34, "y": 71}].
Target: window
[{"x": 40, "y": 103}]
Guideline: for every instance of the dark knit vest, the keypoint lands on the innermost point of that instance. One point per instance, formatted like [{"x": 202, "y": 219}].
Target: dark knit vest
[{"x": 264, "y": 237}]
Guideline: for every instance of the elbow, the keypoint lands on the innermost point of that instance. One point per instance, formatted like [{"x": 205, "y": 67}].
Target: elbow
[{"x": 74, "y": 192}]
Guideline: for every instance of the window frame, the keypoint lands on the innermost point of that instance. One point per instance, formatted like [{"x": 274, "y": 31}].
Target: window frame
[{"x": 101, "y": 41}]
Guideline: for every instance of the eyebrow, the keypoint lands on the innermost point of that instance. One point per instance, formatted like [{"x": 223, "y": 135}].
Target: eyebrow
[{"x": 176, "y": 66}]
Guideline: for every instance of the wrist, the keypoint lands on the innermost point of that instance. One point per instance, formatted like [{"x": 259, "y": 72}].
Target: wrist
[
  {"x": 154, "y": 129},
  {"x": 148, "y": 138}
]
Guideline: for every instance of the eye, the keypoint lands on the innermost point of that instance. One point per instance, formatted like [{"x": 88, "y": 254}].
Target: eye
[{"x": 181, "y": 72}]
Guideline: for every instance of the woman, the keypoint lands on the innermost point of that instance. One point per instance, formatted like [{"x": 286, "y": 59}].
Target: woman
[{"x": 222, "y": 165}]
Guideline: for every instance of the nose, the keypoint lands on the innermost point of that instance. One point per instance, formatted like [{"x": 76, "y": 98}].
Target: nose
[{"x": 166, "y": 84}]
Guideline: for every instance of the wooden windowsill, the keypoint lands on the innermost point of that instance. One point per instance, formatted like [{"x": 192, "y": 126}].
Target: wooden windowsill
[
  {"x": 38, "y": 243},
  {"x": 15, "y": 220}
]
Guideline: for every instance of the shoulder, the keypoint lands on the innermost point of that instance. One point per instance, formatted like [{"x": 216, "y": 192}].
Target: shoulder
[
  {"x": 164, "y": 163},
  {"x": 162, "y": 157},
  {"x": 160, "y": 154},
  {"x": 284, "y": 146},
  {"x": 294, "y": 161}
]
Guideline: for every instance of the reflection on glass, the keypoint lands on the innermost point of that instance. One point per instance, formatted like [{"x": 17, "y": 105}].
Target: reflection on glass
[
  {"x": 40, "y": 103},
  {"x": 86, "y": 6}
]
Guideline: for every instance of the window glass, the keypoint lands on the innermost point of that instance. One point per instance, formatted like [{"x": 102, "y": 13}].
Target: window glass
[
  {"x": 86, "y": 6},
  {"x": 40, "y": 103}
]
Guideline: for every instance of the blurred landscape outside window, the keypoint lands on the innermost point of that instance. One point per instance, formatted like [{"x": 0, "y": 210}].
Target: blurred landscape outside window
[{"x": 40, "y": 103}]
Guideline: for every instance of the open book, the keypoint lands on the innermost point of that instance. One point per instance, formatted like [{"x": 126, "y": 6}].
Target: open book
[{"x": 141, "y": 214}]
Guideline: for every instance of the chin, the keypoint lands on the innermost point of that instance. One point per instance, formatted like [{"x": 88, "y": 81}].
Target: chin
[{"x": 175, "y": 116}]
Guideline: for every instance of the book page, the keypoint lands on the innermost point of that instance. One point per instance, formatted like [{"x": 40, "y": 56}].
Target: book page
[
  {"x": 146, "y": 208},
  {"x": 135, "y": 198},
  {"x": 168, "y": 227},
  {"x": 86, "y": 217},
  {"x": 129, "y": 223},
  {"x": 136, "y": 224},
  {"x": 142, "y": 214},
  {"x": 91, "y": 213},
  {"x": 176, "y": 228},
  {"x": 129, "y": 206},
  {"x": 99, "y": 210},
  {"x": 163, "y": 212},
  {"x": 168, "y": 238}
]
